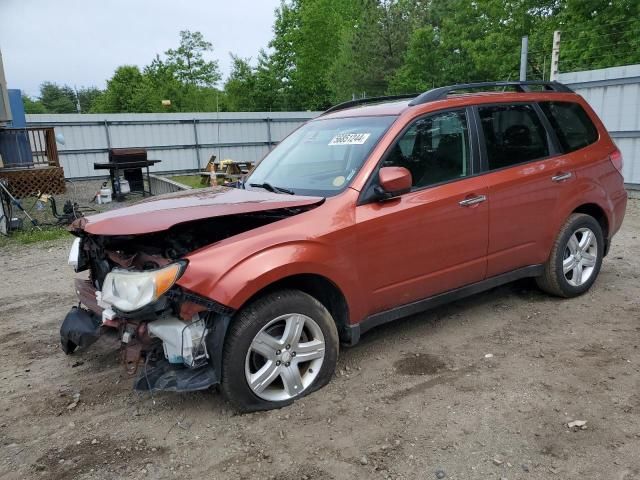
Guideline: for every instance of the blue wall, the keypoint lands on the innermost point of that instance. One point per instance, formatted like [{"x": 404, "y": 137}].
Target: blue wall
[
  {"x": 17, "y": 109},
  {"x": 14, "y": 145}
]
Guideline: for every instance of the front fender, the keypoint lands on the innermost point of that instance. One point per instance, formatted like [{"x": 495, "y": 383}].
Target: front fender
[{"x": 243, "y": 279}]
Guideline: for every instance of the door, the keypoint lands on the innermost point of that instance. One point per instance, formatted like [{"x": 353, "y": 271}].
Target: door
[
  {"x": 434, "y": 238},
  {"x": 525, "y": 178}
]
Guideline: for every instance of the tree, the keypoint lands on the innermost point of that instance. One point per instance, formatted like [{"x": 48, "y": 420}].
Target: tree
[
  {"x": 240, "y": 87},
  {"x": 599, "y": 33},
  {"x": 87, "y": 96},
  {"x": 32, "y": 106},
  {"x": 188, "y": 63},
  {"x": 128, "y": 91},
  {"x": 422, "y": 68},
  {"x": 370, "y": 50},
  {"x": 57, "y": 99}
]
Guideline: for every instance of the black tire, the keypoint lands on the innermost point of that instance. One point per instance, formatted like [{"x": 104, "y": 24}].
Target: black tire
[
  {"x": 554, "y": 280},
  {"x": 249, "y": 322}
]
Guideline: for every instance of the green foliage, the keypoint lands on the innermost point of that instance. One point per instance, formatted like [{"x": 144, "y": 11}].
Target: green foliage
[
  {"x": 127, "y": 91},
  {"x": 87, "y": 96},
  {"x": 32, "y": 106},
  {"x": 328, "y": 51},
  {"x": 599, "y": 34},
  {"x": 61, "y": 99},
  {"x": 240, "y": 87},
  {"x": 193, "y": 181},
  {"x": 33, "y": 235},
  {"x": 187, "y": 61},
  {"x": 57, "y": 99},
  {"x": 183, "y": 77}
]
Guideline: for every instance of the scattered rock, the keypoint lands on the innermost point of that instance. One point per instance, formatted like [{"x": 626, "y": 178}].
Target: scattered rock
[
  {"x": 497, "y": 461},
  {"x": 74, "y": 404},
  {"x": 440, "y": 473},
  {"x": 364, "y": 461},
  {"x": 94, "y": 441},
  {"x": 581, "y": 424},
  {"x": 488, "y": 355},
  {"x": 525, "y": 467}
]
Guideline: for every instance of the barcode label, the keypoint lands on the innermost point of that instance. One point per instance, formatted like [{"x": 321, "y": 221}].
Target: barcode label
[{"x": 349, "y": 139}]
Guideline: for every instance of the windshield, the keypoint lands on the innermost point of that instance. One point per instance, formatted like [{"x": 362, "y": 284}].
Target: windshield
[{"x": 321, "y": 157}]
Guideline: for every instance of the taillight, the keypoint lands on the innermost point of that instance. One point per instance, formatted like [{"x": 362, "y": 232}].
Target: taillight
[{"x": 616, "y": 159}]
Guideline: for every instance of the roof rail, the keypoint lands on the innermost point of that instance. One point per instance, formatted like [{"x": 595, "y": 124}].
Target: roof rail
[
  {"x": 442, "y": 92},
  {"x": 364, "y": 101}
]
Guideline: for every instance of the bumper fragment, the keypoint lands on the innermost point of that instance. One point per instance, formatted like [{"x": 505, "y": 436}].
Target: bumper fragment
[
  {"x": 163, "y": 376},
  {"x": 80, "y": 328}
]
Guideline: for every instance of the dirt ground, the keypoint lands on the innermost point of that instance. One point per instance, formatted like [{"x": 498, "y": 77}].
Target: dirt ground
[{"x": 479, "y": 389}]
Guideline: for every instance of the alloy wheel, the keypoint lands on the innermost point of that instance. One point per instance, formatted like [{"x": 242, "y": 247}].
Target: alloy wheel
[
  {"x": 580, "y": 257},
  {"x": 285, "y": 357}
]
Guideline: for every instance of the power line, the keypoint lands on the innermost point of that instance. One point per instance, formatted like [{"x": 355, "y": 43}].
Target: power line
[
  {"x": 600, "y": 35},
  {"x": 600, "y": 47},
  {"x": 603, "y": 25}
]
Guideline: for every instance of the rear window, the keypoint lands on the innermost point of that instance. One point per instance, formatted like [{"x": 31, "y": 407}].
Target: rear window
[
  {"x": 513, "y": 134},
  {"x": 573, "y": 126}
]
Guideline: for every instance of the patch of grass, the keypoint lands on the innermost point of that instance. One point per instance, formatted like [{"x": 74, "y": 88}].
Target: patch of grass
[
  {"x": 192, "y": 181},
  {"x": 33, "y": 235}
]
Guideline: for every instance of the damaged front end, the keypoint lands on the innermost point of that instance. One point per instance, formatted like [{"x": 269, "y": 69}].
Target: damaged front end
[{"x": 171, "y": 339}]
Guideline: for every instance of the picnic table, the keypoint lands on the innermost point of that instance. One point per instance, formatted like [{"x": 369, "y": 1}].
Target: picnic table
[{"x": 227, "y": 171}]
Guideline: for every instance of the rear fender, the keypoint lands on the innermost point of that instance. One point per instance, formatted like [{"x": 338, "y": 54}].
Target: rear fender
[{"x": 583, "y": 192}]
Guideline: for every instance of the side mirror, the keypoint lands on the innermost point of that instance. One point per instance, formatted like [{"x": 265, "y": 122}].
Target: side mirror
[{"x": 393, "y": 181}]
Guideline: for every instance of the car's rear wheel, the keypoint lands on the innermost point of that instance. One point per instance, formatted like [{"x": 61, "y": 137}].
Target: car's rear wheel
[
  {"x": 575, "y": 258},
  {"x": 278, "y": 349}
]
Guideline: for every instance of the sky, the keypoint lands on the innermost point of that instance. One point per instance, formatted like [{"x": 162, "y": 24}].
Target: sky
[{"x": 81, "y": 42}]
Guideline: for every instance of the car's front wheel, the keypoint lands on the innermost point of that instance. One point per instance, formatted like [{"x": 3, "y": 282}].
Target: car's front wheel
[
  {"x": 575, "y": 258},
  {"x": 279, "y": 348}
]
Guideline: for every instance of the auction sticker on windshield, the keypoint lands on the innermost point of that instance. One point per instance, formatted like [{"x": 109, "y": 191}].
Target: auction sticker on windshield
[{"x": 349, "y": 139}]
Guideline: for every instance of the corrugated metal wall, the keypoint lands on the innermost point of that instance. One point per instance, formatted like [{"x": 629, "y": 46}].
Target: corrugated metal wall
[
  {"x": 614, "y": 93},
  {"x": 183, "y": 141}
]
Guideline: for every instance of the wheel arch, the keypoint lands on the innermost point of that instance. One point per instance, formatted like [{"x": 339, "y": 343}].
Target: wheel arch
[
  {"x": 319, "y": 287},
  {"x": 598, "y": 213}
]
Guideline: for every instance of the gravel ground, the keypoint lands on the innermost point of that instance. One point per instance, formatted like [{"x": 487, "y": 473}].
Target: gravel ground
[{"x": 479, "y": 389}]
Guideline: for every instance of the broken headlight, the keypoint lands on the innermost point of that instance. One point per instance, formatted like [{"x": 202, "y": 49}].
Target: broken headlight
[
  {"x": 129, "y": 291},
  {"x": 74, "y": 254}
]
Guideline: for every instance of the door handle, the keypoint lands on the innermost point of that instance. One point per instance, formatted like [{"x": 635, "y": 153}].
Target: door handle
[
  {"x": 561, "y": 177},
  {"x": 467, "y": 202}
]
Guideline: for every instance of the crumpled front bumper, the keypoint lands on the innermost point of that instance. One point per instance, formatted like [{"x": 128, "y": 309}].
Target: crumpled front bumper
[
  {"x": 80, "y": 328},
  {"x": 160, "y": 375}
]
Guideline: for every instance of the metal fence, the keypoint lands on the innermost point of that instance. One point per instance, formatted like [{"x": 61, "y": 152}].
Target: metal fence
[
  {"x": 183, "y": 141},
  {"x": 614, "y": 93}
]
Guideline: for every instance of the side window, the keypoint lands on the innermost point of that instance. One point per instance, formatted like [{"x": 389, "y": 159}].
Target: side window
[
  {"x": 512, "y": 134},
  {"x": 571, "y": 123},
  {"x": 434, "y": 149}
]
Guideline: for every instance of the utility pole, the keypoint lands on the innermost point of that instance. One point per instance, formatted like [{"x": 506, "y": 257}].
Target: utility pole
[
  {"x": 78, "y": 108},
  {"x": 524, "y": 50},
  {"x": 555, "y": 56}
]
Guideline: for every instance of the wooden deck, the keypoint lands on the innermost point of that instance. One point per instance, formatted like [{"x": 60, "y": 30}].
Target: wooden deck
[{"x": 39, "y": 170}]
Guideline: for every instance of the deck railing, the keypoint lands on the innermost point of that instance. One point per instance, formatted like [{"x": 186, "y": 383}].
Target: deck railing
[{"x": 31, "y": 147}]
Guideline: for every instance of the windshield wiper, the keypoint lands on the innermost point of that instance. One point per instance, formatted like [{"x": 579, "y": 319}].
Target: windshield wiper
[{"x": 272, "y": 188}]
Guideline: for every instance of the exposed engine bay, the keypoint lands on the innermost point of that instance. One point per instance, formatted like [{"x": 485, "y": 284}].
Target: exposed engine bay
[
  {"x": 154, "y": 250},
  {"x": 171, "y": 338}
]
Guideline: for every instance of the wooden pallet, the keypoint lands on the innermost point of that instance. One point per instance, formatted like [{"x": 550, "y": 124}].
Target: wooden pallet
[{"x": 33, "y": 181}]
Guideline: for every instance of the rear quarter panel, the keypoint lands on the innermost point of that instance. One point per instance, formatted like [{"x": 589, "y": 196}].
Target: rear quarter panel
[{"x": 596, "y": 182}]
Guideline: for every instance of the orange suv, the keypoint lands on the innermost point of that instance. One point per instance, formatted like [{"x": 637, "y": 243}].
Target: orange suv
[{"x": 377, "y": 209}]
